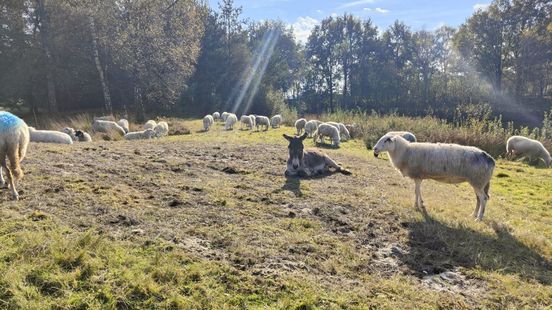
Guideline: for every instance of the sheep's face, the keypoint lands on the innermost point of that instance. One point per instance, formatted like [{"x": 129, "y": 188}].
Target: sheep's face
[
  {"x": 150, "y": 133},
  {"x": 296, "y": 149},
  {"x": 385, "y": 144}
]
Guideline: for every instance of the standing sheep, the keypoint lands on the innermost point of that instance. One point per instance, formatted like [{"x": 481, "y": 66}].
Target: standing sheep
[
  {"x": 49, "y": 136},
  {"x": 261, "y": 121},
  {"x": 150, "y": 124},
  {"x": 523, "y": 146},
  {"x": 83, "y": 136},
  {"x": 253, "y": 121},
  {"x": 231, "y": 120},
  {"x": 408, "y": 136},
  {"x": 311, "y": 126},
  {"x": 161, "y": 129},
  {"x": 300, "y": 125},
  {"x": 124, "y": 124},
  {"x": 224, "y": 115},
  {"x": 136, "y": 135},
  {"x": 276, "y": 121},
  {"x": 216, "y": 116},
  {"x": 327, "y": 130},
  {"x": 246, "y": 120},
  {"x": 448, "y": 163},
  {"x": 208, "y": 121},
  {"x": 343, "y": 131},
  {"x": 14, "y": 139},
  {"x": 107, "y": 126}
]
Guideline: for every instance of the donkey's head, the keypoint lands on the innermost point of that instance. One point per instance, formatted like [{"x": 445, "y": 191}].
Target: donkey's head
[{"x": 295, "y": 151}]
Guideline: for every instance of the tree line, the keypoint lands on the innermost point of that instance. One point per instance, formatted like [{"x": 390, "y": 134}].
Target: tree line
[{"x": 182, "y": 57}]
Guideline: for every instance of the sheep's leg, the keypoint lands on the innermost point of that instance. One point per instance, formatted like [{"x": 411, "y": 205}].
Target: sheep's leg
[
  {"x": 482, "y": 202},
  {"x": 476, "y": 211},
  {"x": 419, "y": 202},
  {"x": 10, "y": 177},
  {"x": 2, "y": 181}
]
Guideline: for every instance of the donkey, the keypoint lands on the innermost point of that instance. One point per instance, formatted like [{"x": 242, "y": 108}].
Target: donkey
[{"x": 308, "y": 163}]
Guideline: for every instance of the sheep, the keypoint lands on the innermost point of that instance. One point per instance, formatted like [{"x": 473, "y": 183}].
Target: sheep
[
  {"x": 261, "y": 121},
  {"x": 300, "y": 125},
  {"x": 83, "y": 136},
  {"x": 224, "y": 115},
  {"x": 276, "y": 121},
  {"x": 308, "y": 163},
  {"x": 150, "y": 124},
  {"x": 231, "y": 119},
  {"x": 522, "y": 146},
  {"x": 14, "y": 139},
  {"x": 247, "y": 121},
  {"x": 216, "y": 116},
  {"x": 107, "y": 126},
  {"x": 343, "y": 131},
  {"x": 448, "y": 163},
  {"x": 124, "y": 124},
  {"x": 327, "y": 130},
  {"x": 408, "y": 136},
  {"x": 253, "y": 120},
  {"x": 161, "y": 129},
  {"x": 144, "y": 134},
  {"x": 311, "y": 126},
  {"x": 71, "y": 132},
  {"x": 49, "y": 136},
  {"x": 208, "y": 120}
]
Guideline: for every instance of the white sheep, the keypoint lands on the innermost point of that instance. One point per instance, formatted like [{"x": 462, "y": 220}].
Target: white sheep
[
  {"x": 343, "y": 131},
  {"x": 216, "y": 116},
  {"x": 71, "y": 132},
  {"x": 311, "y": 126},
  {"x": 327, "y": 130},
  {"x": 300, "y": 125},
  {"x": 448, "y": 163},
  {"x": 161, "y": 129},
  {"x": 247, "y": 121},
  {"x": 14, "y": 139},
  {"x": 276, "y": 121},
  {"x": 523, "y": 146},
  {"x": 107, "y": 126},
  {"x": 150, "y": 124},
  {"x": 208, "y": 120},
  {"x": 49, "y": 136},
  {"x": 144, "y": 134},
  {"x": 231, "y": 119},
  {"x": 261, "y": 121},
  {"x": 124, "y": 124},
  {"x": 83, "y": 136},
  {"x": 224, "y": 115},
  {"x": 253, "y": 120}
]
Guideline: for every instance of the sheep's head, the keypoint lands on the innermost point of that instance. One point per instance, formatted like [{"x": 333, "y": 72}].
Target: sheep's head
[
  {"x": 150, "y": 133},
  {"x": 296, "y": 148},
  {"x": 385, "y": 144},
  {"x": 79, "y": 134}
]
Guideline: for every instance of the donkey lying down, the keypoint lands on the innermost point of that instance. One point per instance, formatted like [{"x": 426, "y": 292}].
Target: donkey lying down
[{"x": 308, "y": 163}]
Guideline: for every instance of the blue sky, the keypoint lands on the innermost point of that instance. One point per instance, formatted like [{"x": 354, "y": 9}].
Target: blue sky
[{"x": 305, "y": 14}]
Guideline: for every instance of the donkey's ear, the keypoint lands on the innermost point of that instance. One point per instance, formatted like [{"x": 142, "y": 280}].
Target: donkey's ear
[
  {"x": 304, "y": 136},
  {"x": 288, "y": 137}
]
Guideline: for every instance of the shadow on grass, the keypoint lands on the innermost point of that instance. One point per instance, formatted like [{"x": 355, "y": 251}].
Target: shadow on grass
[
  {"x": 436, "y": 247},
  {"x": 326, "y": 146},
  {"x": 293, "y": 183}
]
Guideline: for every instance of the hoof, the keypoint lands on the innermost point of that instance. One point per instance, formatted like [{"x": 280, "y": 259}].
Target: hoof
[
  {"x": 15, "y": 197},
  {"x": 479, "y": 219}
]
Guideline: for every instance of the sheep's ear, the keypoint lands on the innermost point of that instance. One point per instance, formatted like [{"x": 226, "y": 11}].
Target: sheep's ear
[
  {"x": 288, "y": 137},
  {"x": 303, "y": 136}
]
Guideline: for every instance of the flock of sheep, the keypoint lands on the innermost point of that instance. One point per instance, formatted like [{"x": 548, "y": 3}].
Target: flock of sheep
[{"x": 449, "y": 163}]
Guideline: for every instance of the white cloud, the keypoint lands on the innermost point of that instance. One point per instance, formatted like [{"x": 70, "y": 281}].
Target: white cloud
[
  {"x": 319, "y": 11},
  {"x": 354, "y": 3},
  {"x": 302, "y": 28},
  {"x": 480, "y": 6},
  {"x": 382, "y": 11},
  {"x": 367, "y": 9}
]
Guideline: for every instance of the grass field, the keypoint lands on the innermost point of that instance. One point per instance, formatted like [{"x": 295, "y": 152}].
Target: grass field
[{"x": 207, "y": 220}]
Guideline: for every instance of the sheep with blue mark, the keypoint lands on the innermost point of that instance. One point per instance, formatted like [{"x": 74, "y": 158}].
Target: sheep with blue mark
[{"x": 14, "y": 139}]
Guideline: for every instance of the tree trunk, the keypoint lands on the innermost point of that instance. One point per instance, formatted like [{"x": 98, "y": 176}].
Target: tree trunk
[
  {"x": 105, "y": 88},
  {"x": 42, "y": 21}
]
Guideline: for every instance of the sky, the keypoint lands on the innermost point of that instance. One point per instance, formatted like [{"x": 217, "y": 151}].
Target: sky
[{"x": 304, "y": 15}]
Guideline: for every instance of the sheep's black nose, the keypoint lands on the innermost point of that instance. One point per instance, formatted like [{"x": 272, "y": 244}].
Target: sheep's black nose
[
  {"x": 295, "y": 166},
  {"x": 376, "y": 155}
]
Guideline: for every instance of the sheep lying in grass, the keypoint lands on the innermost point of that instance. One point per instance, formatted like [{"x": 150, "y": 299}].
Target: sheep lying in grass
[
  {"x": 231, "y": 120},
  {"x": 327, "y": 130},
  {"x": 124, "y": 124},
  {"x": 276, "y": 121},
  {"x": 522, "y": 146},
  {"x": 246, "y": 121},
  {"x": 311, "y": 126},
  {"x": 343, "y": 131},
  {"x": 408, "y": 136},
  {"x": 150, "y": 124},
  {"x": 71, "y": 132},
  {"x": 261, "y": 121},
  {"x": 216, "y": 116},
  {"x": 208, "y": 120},
  {"x": 49, "y": 136},
  {"x": 308, "y": 163},
  {"x": 300, "y": 125},
  {"x": 224, "y": 116},
  {"x": 14, "y": 139},
  {"x": 161, "y": 129},
  {"x": 448, "y": 163},
  {"x": 83, "y": 136},
  {"x": 107, "y": 126},
  {"x": 137, "y": 135}
]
